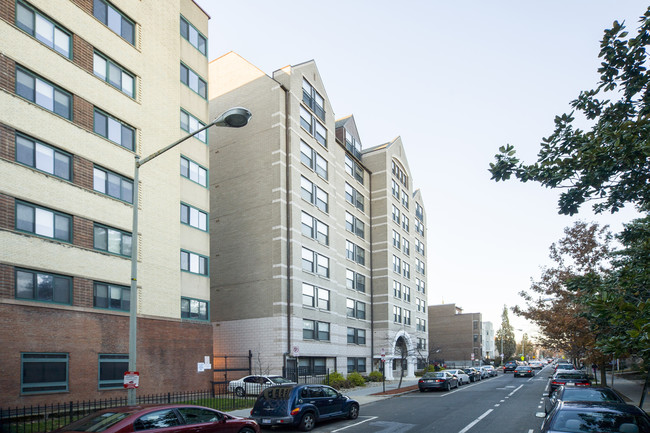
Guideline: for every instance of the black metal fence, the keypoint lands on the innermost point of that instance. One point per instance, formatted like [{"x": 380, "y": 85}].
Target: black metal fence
[{"x": 47, "y": 417}]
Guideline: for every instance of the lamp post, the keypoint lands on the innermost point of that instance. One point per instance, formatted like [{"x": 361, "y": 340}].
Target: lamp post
[{"x": 232, "y": 118}]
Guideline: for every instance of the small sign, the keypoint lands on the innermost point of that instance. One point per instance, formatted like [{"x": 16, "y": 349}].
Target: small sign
[
  {"x": 502, "y": 356},
  {"x": 131, "y": 379},
  {"x": 295, "y": 351},
  {"x": 522, "y": 357},
  {"x": 471, "y": 356},
  {"x": 383, "y": 353}
]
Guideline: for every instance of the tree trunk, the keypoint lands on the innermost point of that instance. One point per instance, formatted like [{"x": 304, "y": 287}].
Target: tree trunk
[{"x": 603, "y": 373}]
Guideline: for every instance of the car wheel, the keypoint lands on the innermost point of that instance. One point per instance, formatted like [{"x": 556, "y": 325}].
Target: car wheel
[
  {"x": 448, "y": 387},
  {"x": 307, "y": 422},
  {"x": 457, "y": 385},
  {"x": 239, "y": 391},
  {"x": 353, "y": 413},
  {"x": 247, "y": 430}
]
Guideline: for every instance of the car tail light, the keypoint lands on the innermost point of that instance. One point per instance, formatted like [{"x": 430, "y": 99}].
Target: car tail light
[
  {"x": 440, "y": 380},
  {"x": 295, "y": 411},
  {"x": 582, "y": 383},
  {"x": 420, "y": 381}
]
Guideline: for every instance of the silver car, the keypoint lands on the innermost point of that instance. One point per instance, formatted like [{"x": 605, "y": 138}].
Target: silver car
[
  {"x": 463, "y": 377},
  {"x": 255, "y": 384}
]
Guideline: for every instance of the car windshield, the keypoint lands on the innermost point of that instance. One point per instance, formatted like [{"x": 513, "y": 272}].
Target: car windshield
[
  {"x": 570, "y": 376},
  {"x": 430, "y": 375},
  {"x": 589, "y": 394},
  {"x": 604, "y": 422},
  {"x": 279, "y": 380},
  {"x": 96, "y": 422}
]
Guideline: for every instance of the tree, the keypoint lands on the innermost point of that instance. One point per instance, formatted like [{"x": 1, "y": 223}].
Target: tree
[
  {"x": 610, "y": 163},
  {"x": 553, "y": 302},
  {"x": 505, "y": 336},
  {"x": 526, "y": 346}
]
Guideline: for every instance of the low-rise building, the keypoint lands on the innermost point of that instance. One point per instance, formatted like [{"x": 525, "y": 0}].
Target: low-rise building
[{"x": 454, "y": 336}]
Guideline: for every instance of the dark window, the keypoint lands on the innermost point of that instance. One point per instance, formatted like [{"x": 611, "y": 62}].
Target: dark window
[
  {"x": 42, "y": 286},
  {"x": 112, "y": 297},
  {"x": 115, "y": 20},
  {"x": 111, "y": 370},
  {"x": 44, "y": 372}
]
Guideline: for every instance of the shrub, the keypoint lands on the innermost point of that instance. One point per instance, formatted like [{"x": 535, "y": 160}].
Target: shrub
[
  {"x": 356, "y": 379},
  {"x": 375, "y": 376},
  {"x": 337, "y": 381}
]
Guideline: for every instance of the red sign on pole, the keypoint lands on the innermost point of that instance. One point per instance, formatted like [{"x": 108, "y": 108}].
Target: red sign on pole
[{"x": 131, "y": 379}]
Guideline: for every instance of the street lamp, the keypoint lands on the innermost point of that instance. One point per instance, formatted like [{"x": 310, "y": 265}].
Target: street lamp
[{"x": 233, "y": 118}]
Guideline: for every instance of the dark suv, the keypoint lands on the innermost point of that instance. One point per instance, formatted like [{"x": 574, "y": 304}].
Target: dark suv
[
  {"x": 510, "y": 366},
  {"x": 301, "y": 406}
]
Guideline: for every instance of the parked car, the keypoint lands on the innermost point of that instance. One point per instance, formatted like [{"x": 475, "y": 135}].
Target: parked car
[
  {"x": 489, "y": 370},
  {"x": 568, "y": 378},
  {"x": 524, "y": 370},
  {"x": 437, "y": 380},
  {"x": 509, "y": 366},
  {"x": 563, "y": 366},
  {"x": 537, "y": 365},
  {"x": 301, "y": 406},
  {"x": 173, "y": 418},
  {"x": 461, "y": 375},
  {"x": 588, "y": 393},
  {"x": 602, "y": 417},
  {"x": 473, "y": 373},
  {"x": 255, "y": 384}
]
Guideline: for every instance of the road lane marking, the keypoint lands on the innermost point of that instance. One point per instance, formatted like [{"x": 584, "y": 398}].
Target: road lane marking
[
  {"x": 518, "y": 388},
  {"x": 356, "y": 424},
  {"x": 497, "y": 405},
  {"x": 531, "y": 430},
  {"x": 476, "y": 421}
]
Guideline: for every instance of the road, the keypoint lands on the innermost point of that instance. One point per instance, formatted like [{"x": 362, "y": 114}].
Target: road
[{"x": 496, "y": 405}]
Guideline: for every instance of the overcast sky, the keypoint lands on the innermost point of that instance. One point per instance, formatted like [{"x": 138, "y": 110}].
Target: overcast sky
[{"x": 456, "y": 80}]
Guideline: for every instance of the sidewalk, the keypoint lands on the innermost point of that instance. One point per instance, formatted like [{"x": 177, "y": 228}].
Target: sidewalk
[
  {"x": 362, "y": 394},
  {"x": 631, "y": 390}
]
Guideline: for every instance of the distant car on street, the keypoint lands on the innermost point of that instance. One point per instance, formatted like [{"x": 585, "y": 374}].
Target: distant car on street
[
  {"x": 473, "y": 373},
  {"x": 461, "y": 375},
  {"x": 437, "y": 380},
  {"x": 510, "y": 366},
  {"x": 255, "y": 384},
  {"x": 524, "y": 370},
  {"x": 569, "y": 378}
]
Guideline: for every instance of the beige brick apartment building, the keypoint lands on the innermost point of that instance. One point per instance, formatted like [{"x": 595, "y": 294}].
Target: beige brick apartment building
[
  {"x": 84, "y": 86},
  {"x": 318, "y": 246}
]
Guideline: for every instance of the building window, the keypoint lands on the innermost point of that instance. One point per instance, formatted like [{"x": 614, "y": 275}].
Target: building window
[
  {"x": 355, "y": 253},
  {"x": 407, "y": 271},
  {"x": 192, "y": 80},
  {"x": 194, "y": 263},
  {"x": 353, "y": 169},
  {"x": 399, "y": 173},
  {"x": 315, "y": 228},
  {"x": 310, "y": 124},
  {"x": 313, "y": 194},
  {"x": 405, "y": 223},
  {"x": 114, "y": 74},
  {"x": 395, "y": 214},
  {"x": 43, "y": 157},
  {"x": 313, "y": 99},
  {"x": 356, "y": 336},
  {"x": 315, "y": 297},
  {"x": 43, "y": 222},
  {"x": 422, "y": 344},
  {"x": 419, "y": 212},
  {"x": 194, "y": 309},
  {"x": 354, "y": 197},
  {"x": 397, "y": 264},
  {"x": 315, "y": 263},
  {"x": 112, "y": 297},
  {"x": 313, "y": 160},
  {"x": 114, "y": 130},
  {"x": 407, "y": 294},
  {"x": 419, "y": 266},
  {"x": 419, "y": 246},
  {"x": 112, "y": 184},
  {"x": 112, "y": 240},
  {"x": 193, "y": 36},
  {"x": 191, "y": 124},
  {"x": 193, "y": 171},
  {"x": 397, "y": 314},
  {"x": 354, "y": 225},
  {"x": 419, "y": 227},
  {"x": 421, "y": 324},
  {"x": 397, "y": 289},
  {"x": 397, "y": 240},
  {"x": 356, "y": 309},
  {"x": 419, "y": 304},
  {"x": 394, "y": 189},
  {"x": 407, "y": 317},
  {"x": 352, "y": 145},
  {"x": 313, "y": 330},
  {"x": 420, "y": 284},
  {"x": 194, "y": 217},
  {"x": 111, "y": 370},
  {"x": 115, "y": 20},
  {"x": 407, "y": 247},
  {"x": 43, "y": 286},
  {"x": 356, "y": 364},
  {"x": 43, "y": 28},
  {"x": 44, "y": 373},
  {"x": 405, "y": 199},
  {"x": 355, "y": 280},
  {"x": 43, "y": 93}
]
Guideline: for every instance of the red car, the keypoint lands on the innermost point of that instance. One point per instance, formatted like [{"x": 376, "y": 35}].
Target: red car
[{"x": 170, "y": 418}]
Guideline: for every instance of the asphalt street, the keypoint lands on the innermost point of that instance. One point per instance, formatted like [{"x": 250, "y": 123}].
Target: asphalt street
[{"x": 494, "y": 405}]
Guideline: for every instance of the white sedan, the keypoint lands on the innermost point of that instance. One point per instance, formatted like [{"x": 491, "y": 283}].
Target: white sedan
[
  {"x": 254, "y": 384},
  {"x": 461, "y": 375}
]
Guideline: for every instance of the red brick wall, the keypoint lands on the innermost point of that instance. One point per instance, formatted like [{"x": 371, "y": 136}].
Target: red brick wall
[
  {"x": 7, "y": 147},
  {"x": 86, "y": 5},
  {"x": 8, "y": 11},
  {"x": 7, "y": 215},
  {"x": 6, "y": 281},
  {"x": 83, "y": 53},
  {"x": 7, "y": 74},
  {"x": 168, "y": 351},
  {"x": 83, "y": 232}
]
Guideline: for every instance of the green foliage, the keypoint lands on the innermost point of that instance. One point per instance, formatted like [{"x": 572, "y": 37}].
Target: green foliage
[
  {"x": 375, "y": 376},
  {"x": 356, "y": 379},
  {"x": 611, "y": 162},
  {"x": 505, "y": 334},
  {"x": 337, "y": 381}
]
